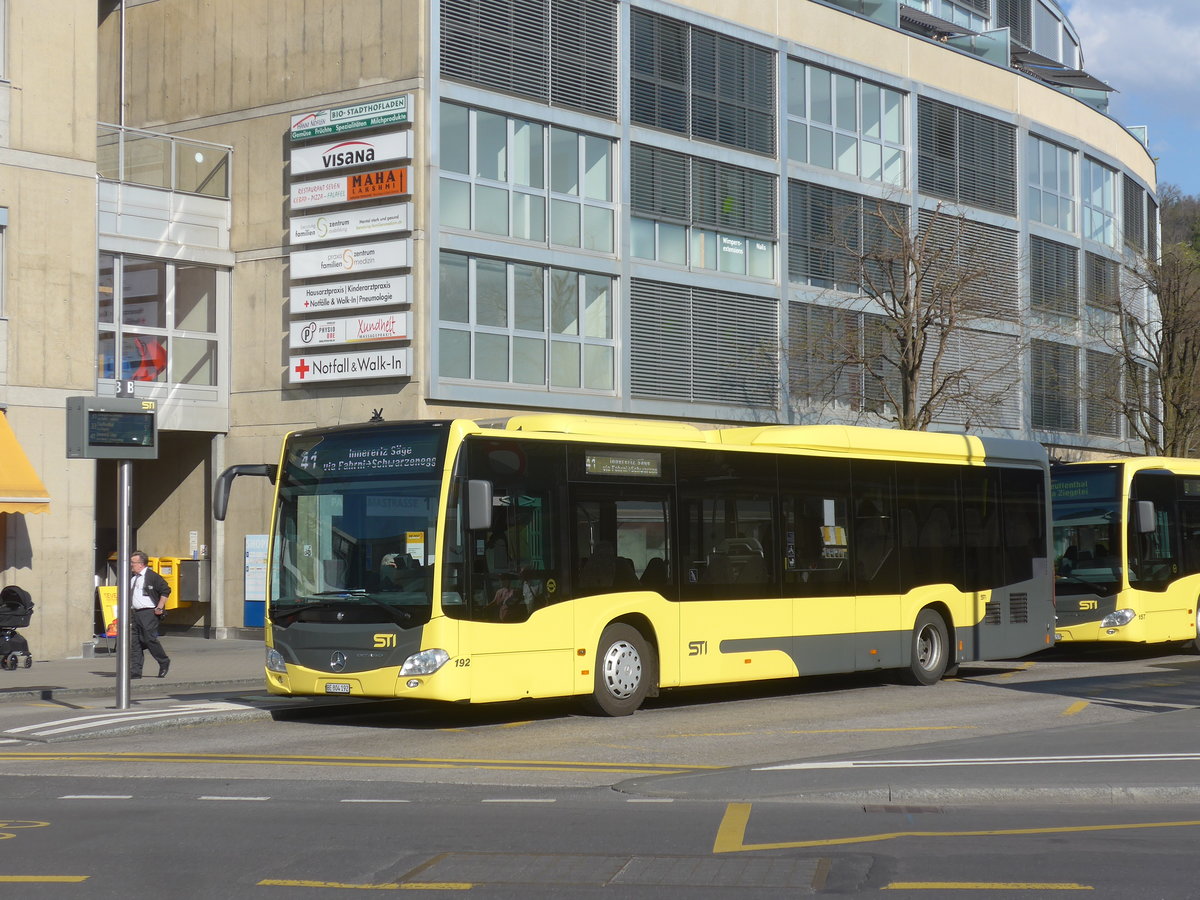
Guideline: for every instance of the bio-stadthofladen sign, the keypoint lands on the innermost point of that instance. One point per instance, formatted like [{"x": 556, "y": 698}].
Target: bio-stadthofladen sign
[
  {"x": 394, "y": 363},
  {"x": 388, "y": 111},
  {"x": 351, "y": 188},
  {"x": 352, "y": 152},
  {"x": 348, "y": 260},
  {"x": 385, "y": 326},
  {"x": 338, "y": 296},
  {"x": 351, "y": 223}
]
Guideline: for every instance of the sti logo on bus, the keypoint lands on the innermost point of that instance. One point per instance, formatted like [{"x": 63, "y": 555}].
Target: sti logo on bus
[
  {"x": 1089, "y": 604},
  {"x": 385, "y": 640},
  {"x": 697, "y": 648}
]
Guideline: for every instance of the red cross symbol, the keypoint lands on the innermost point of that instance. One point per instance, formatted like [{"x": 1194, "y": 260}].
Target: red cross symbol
[{"x": 302, "y": 369}]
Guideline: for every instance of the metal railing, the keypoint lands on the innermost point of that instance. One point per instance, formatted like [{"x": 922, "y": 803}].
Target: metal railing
[{"x": 163, "y": 161}]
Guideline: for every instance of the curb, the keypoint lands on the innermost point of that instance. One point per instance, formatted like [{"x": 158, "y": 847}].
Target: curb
[{"x": 151, "y": 688}]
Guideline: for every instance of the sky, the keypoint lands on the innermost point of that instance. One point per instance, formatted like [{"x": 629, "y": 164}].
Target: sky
[{"x": 1147, "y": 50}]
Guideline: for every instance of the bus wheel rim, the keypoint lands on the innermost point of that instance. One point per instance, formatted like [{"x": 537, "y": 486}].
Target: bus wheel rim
[
  {"x": 622, "y": 670},
  {"x": 928, "y": 647}
]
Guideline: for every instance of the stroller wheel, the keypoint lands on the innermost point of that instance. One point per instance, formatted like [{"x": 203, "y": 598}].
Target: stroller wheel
[
  {"x": 28, "y": 661},
  {"x": 10, "y": 661}
]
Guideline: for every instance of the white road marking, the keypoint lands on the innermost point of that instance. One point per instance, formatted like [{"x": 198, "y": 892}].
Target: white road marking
[
  {"x": 96, "y": 797},
  {"x": 94, "y": 720},
  {"x": 207, "y": 797},
  {"x": 986, "y": 761},
  {"x": 520, "y": 800},
  {"x": 355, "y": 800}
]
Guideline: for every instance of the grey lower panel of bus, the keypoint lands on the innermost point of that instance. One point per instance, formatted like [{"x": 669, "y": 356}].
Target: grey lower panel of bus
[
  {"x": 1009, "y": 629},
  {"x": 345, "y": 649}
]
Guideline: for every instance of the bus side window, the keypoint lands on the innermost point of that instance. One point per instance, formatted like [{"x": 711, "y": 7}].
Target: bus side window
[{"x": 873, "y": 532}]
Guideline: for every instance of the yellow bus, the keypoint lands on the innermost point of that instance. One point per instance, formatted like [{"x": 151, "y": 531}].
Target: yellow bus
[
  {"x": 1127, "y": 549},
  {"x": 557, "y": 555}
]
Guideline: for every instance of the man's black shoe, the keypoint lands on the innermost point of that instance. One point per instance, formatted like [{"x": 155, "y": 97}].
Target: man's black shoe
[
  {"x": 135, "y": 674},
  {"x": 163, "y": 669}
]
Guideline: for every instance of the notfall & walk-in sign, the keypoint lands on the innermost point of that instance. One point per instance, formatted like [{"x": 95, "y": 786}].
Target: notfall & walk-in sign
[{"x": 390, "y": 363}]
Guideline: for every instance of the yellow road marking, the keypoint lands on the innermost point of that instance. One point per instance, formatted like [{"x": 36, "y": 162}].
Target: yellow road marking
[
  {"x": 43, "y": 879},
  {"x": 1076, "y": 707},
  {"x": 731, "y": 834},
  {"x": 358, "y": 762},
  {"x": 1021, "y": 668},
  {"x": 691, "y": 734},
  {"x": 393, "y": 886},
  {"x": 984, "y": 886}
]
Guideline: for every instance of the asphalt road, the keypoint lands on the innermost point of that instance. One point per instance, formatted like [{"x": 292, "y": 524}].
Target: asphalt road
[{"x": 1068, "y": 772}]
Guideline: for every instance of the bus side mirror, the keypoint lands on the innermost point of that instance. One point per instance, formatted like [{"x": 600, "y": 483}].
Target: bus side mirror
[
  {"x": 225, "y": 481},
  {"x": 479, "y": 504},
  {"x": 1144, "y": 516}
]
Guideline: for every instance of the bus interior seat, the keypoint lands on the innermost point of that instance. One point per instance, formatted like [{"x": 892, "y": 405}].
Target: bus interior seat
[
  {"x": 754, "y": 571},
  {"x": 656, "y": 574}
]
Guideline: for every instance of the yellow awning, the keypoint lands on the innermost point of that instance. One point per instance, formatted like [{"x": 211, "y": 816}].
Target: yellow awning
[{"x": 21, "y": 491}]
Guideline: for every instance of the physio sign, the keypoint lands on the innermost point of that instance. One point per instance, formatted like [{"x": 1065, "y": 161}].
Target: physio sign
[
  {"x": 360, "y": 116},
  {"x": 384, "y": 326}
]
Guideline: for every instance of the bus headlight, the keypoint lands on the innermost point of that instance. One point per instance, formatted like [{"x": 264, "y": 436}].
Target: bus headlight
[
  {"x": 1118, "y": 618},
  {"x": 425, "y": 663},
  {"x": 275, "y": 661}
]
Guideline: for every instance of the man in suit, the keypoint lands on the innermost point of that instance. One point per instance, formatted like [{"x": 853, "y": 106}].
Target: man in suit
[{"x": 148, "y": 592}]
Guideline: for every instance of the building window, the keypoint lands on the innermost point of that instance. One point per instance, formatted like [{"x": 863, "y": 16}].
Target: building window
[
  {"x": 701, "y": 213},
  {"x": 562, "y": 52},
  {"x": 526, "y": 180},
  {"x": 966, "y": 157},
  {"x": 1098, "y": 183},
  {"x": 840, "y": 240},
  {"x": 1051, "y": 192},
  {"x": 158, "y": 320},
  {"x": 977, "y": 261},
  {"x": 1054, "y": 386},
  {"x": 1103, "y": 394},
  {"x": 1053, "y": 277},
  {"x": 702, "y": 84},
  {"x": 842, "y": 358},
  {"x": 525, "y": 325},
  {"x": 1133, "y": 207},
  {"x": 1102, "y": 281},
  {"x": 1017, "y": 16},
  {"x": 703, "y": 346},
  {"x": 844, "y": 123}
]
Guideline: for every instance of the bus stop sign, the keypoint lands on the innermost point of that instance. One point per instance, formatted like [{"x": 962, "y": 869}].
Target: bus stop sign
[{"x": 111, "y": 428}]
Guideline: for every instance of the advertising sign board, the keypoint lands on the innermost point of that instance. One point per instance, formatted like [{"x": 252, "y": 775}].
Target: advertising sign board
[{"x": 350, "y": 365}]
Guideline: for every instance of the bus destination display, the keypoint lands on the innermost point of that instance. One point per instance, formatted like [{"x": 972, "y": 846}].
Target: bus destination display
[
  {"x": 120, "y": 429},
  {"x": 623, "y": 462}
]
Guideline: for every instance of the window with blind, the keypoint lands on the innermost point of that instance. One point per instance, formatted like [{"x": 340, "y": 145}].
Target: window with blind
[
  {"x": 1134, "y": 214},
  {"x": 966, "y": 157},
  {"x": 702, "y": 214},
  {"x": 839, "y": 239},
  {"x": 977, "y": 261},
  {"x": 561, "y": 52},
  {"x": 1054, "y": 386},
  {"x": 1103, "y": 394},
  {"x": 843, "y": 123},
  {"x": 1151, "y": 227},
  {"x": 1051, "y": 183},
  {"x": 1053, "y": 277},
  {"x": 1102, "y": 281},
  {"x": 701, "y": 83},
  {"x": 525, "y": 325},
  {"x": 526, "y": 180},
  {"x": 703, "y": 346},
  {"x": 1016, "y": 15}
]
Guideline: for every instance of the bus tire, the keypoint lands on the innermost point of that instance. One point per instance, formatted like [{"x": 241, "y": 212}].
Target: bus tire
[
  {"x": 930, "y": 650},
  {"x": 624, "y": 668}
]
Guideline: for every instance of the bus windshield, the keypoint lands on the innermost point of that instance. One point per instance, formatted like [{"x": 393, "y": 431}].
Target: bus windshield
[
  {"x": 356, "y": 531},
  {"x": 1087, "y": 531}
]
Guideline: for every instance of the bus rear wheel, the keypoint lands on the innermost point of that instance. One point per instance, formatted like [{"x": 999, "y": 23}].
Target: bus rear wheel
[
  {"x": 930, "y": 650},
  {"x": 624, "y": 669}
]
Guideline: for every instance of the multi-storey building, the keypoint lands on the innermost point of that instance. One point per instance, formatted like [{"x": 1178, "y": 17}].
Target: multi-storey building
[{"x": 275, "y": 215}]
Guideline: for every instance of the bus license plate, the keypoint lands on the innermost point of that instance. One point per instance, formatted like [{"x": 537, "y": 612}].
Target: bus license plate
[{"x": 337, "y": 687}]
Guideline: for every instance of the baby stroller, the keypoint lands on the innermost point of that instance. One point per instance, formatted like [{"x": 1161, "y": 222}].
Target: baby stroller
[{"x": 16, "y": 608}]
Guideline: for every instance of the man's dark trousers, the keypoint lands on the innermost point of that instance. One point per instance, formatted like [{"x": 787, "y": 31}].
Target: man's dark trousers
[{"x": 144, "y": 636}]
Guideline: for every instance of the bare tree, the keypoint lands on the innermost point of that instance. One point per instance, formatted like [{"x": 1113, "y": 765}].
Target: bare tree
[
  {"x": 1158, "y": 344},
  {"x": 905, "y": 336}
]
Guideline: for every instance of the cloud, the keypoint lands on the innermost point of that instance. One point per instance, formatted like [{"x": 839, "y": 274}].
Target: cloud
[{"x": 1140, "y": 46}]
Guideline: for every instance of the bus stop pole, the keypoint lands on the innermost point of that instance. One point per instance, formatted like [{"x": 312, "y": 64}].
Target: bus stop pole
[{"x": 124, "y": 601}]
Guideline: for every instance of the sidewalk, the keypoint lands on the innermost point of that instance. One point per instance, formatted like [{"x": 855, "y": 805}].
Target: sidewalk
[{"x": 198, "y": 665}]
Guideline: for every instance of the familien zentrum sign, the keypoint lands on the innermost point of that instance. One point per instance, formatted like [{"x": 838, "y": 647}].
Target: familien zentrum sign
[
  {"x": 353, "y": 223},
  {"x": 373, "y": 114},
  {"x": 352, "y": 152},
  {"x": 344, "y": 260},
  {"x": 351, "y": 188}
]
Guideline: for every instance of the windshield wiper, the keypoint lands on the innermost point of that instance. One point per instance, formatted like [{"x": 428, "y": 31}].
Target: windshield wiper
[
  {"x": 1098, "y": 589},
  {"x": 400, "y": 616}
]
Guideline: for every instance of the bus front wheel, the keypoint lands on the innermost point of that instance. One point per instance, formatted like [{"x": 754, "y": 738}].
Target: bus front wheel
[
  {"x": 930, "y": 650},
  {"x": 624, "y": 668}
]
